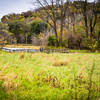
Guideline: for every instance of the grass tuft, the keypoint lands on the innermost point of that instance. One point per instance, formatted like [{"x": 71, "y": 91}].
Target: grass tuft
[
  {"x": 60, "y": 63},
  {"x": 22, "y": 56}
]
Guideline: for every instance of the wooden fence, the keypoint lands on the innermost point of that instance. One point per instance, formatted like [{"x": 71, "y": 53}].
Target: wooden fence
[
  {"x": 20, "y": 50},
  {"x": 35, "y": 50},
  {"x": 55, "y": 50}
]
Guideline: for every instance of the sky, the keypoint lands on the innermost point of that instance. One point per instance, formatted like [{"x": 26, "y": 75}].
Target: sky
[{"x": 14, "y": 6}]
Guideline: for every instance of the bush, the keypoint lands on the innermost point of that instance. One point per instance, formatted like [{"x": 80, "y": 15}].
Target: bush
[
  {"x": 65, "y": 43},
  {"x": 92, "y": 44},
  {"x": 99, "y": 43},
  {"x": 52, "y": 40}
]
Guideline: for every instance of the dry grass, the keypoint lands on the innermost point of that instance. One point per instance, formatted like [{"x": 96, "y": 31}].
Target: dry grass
[
  {"x": 8, "y": 77},
  {"x": 23, "y": 46},
  {"x": 51, "y": 80},
  {"x": 22, "y": 56},
  {"x": 60, "y": 63},
  {"x": 8, "y": 84}
]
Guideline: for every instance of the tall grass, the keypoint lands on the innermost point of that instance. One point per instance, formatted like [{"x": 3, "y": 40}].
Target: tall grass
[
  {"x": 91, "y": 73},
  {"x": 40, "y": 76}
]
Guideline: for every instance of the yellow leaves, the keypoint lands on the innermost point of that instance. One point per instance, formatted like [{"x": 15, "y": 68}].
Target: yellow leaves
[{"x": 65, "y": 32}]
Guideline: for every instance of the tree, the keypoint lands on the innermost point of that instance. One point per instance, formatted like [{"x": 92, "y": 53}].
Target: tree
[
  {"x": 5, "y": 35},
  {"x": 26, "y": 30},
  {"x": 20, "y": 29},
  {"x": 4, "y": 19},
  {"x": 55, "y": 11},
  {"x": 3, "y": 26},
  {"x": 82, "y": 5},
  {"x": 27, "y": 14},
  {"x": 12, "y": 17},
  {"x": 38, "y": 26},
  {"x": 90, "y": 13}
]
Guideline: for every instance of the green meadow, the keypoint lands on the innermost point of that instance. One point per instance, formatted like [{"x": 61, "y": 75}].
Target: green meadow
[{"x": 55, "y": 76}]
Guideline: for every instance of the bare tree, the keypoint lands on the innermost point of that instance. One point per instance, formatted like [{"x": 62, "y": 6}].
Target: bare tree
[
  {"x": 93, "y": 18},
  {"x": 88, "y": 10},
  {"x": 82, "y": 5},
  {"x": 55, "y": 11}
]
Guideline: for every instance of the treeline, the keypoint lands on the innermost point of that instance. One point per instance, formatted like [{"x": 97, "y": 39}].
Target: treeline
[
  {"x": 20, "y": 32},
  {"x": 74, "y": 25}
]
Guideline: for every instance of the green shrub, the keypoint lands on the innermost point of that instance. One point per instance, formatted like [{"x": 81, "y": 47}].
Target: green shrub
[
  {"x": 65, "y": 43},
  {"x": 99, "y": 43},
  {"x": 52, "y": 40},
  {"x": 92, "y": 44}
]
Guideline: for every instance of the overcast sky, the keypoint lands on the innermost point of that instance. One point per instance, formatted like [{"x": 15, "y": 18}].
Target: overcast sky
[{"x": 14, "y": 6}]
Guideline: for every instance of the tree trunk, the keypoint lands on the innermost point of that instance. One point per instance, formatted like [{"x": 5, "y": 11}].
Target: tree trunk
[
  {"x": 86, "y": 25},
  {"x": 57, "y": 42},
  {"x": 26, "y": 38},
  {"x": 61, "y": 33},
  {"x": 85, "y": 17}
]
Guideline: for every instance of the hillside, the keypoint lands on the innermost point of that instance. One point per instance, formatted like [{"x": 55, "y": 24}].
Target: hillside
[{"x": 72, "y": 25}]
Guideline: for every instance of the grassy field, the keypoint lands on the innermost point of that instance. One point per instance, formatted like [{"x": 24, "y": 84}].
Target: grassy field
[{"x": 41, "y": 76}]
